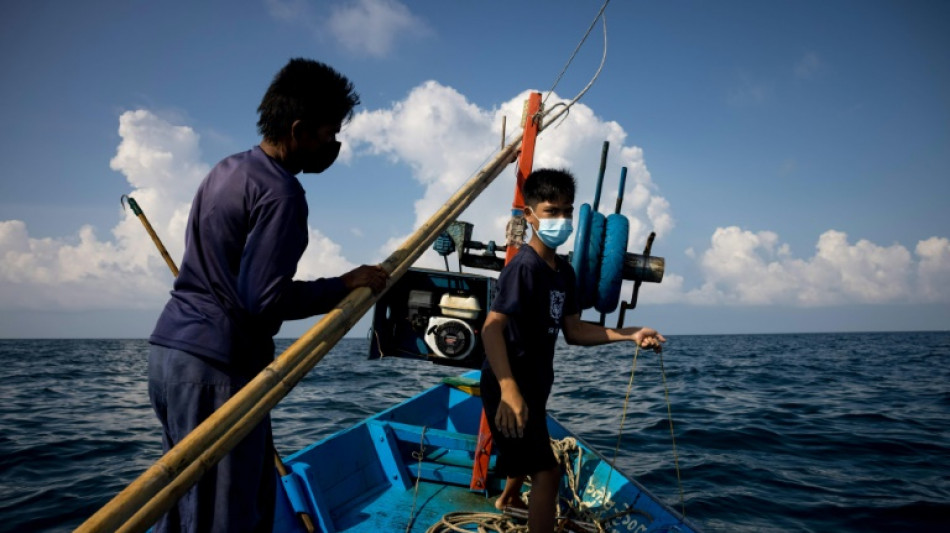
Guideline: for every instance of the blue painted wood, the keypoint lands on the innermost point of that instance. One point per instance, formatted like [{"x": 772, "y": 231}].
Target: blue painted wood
[
  {"x": 448, "y": 474},
  {"x": 388, "y": 452},
  {"x": 294, "y": 492},
  {"x": 364, "y": 479},
  {"x": 434, "y": 438},
  {"x": 318, "y": 510}
]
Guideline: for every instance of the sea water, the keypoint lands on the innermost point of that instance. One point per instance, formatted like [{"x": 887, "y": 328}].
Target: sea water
[{"x": 822, "y": 432}]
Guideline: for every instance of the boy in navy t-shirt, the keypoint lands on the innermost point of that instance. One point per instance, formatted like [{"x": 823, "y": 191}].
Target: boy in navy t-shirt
[{"x": 535, "y": 300}]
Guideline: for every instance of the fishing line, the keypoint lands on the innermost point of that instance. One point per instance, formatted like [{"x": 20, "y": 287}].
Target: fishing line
[
  {"x": 669, "y": 410},
  {"x": 623, "y": 417}
]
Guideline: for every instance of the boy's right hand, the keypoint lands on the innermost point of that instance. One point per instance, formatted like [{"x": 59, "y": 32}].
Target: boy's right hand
[{"x": 512, "y": 414}]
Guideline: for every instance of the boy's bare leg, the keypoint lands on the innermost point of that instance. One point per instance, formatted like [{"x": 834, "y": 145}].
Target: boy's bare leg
[
  {"x": 542, "y": 501},
  {"x": 511, "y": 495}
]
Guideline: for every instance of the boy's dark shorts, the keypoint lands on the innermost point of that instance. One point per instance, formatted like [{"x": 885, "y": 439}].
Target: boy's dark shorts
[{"x": 522, "y": 456}]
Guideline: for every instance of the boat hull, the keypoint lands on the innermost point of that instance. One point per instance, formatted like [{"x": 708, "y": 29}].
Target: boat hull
[{"x": 372, "y": 477}]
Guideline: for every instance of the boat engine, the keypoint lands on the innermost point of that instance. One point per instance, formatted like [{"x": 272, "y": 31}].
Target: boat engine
[{"x": 435, "y": 316}]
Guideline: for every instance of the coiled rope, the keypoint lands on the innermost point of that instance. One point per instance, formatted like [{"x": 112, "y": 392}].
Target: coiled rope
[{"x": 483, "y": 522}]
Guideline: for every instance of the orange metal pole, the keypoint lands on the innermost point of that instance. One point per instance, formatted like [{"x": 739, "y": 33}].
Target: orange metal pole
[{"x": 531, "y": 125}]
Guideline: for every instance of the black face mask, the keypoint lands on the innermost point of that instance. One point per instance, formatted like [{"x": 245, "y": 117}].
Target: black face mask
[{"x": 321, "y": 159}]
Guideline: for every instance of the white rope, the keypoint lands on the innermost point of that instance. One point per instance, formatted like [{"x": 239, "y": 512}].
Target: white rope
[
  {"x": 568, "y": 452},
  {"x": 603, "y": 61},
  {"x": 483, "y": 522},
  {"x": 577, "y": 48}
]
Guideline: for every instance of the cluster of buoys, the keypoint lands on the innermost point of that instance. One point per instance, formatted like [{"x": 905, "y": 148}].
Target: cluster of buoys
[{"x": 600, "y": 247}]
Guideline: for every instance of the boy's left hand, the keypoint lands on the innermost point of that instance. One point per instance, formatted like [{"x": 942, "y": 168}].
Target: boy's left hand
[{"x": 649, "y": 339}]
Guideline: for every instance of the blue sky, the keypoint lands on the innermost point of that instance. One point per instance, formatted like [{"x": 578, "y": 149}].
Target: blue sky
[{"x": 793, "y": 157}]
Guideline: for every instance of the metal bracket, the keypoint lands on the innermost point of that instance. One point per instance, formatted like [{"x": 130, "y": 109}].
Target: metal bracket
[{"x": 624, "y": 306}]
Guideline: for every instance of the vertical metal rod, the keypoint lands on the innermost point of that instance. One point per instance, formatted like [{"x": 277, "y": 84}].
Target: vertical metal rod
[
  {"x": 600, "y": 175},
  {"x": 623, "y": 181}
]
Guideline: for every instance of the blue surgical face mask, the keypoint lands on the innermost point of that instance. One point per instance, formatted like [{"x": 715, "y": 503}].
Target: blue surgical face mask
[{"x": 554, "y": 232}]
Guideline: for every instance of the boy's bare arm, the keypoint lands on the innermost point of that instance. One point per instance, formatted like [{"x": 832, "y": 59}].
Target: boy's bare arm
[
  {"x": 512, "y": 412},
  {"x": 576, "y": 331}
]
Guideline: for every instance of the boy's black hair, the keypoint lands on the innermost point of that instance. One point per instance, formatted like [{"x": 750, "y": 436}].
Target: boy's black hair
[
  {"x": 548, "y": 185},
  {"x": 305, "y": 90}
]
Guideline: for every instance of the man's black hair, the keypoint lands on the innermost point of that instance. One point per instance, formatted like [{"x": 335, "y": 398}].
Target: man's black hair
[
  {"x": 548, "y": 185},
  {"x": 305, "y": 90}
]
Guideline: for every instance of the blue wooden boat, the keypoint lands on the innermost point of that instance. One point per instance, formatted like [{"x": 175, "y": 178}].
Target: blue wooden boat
[{"x": 405, "y": 468}]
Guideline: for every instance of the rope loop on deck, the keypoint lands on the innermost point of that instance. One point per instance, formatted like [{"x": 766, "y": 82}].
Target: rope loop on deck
[{"x": 464, "y": 521}]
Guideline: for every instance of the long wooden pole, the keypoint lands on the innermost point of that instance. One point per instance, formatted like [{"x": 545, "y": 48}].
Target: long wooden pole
[
  {"x": 154, "y": 492},
  {"x": 137, "y": 211}
]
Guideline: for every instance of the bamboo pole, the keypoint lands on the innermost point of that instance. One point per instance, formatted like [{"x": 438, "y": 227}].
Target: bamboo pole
[
  {"x": 137, "y": 211},
  {"x": 144, "y": 500}
]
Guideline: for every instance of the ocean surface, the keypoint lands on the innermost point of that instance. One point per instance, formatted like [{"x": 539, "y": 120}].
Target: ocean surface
[{"x": 821, "y": 432}]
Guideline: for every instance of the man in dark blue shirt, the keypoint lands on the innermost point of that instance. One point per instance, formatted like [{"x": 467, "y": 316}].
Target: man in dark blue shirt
[{"x": 246, "y": 232}]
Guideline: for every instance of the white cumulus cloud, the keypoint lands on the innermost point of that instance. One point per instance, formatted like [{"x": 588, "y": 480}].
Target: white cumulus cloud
[
  {"x": 933, "y": 270},
  {"x": 755, "y": 268},
  {"x": 445, "y": 139},
  {"x": 78, "y": 272}
]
